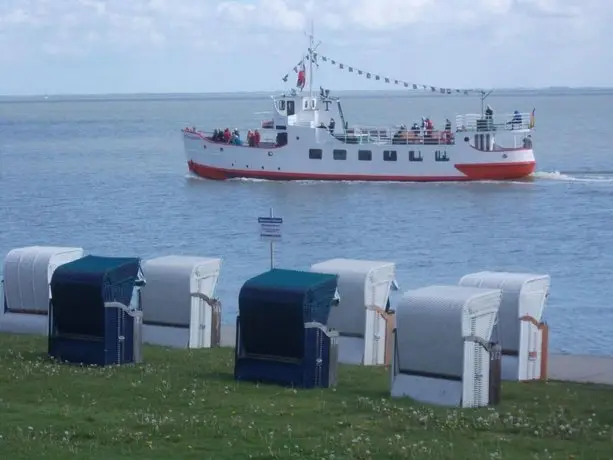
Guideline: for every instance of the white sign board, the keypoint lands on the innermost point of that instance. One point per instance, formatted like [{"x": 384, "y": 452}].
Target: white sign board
[{"x": 270, "y": 228}]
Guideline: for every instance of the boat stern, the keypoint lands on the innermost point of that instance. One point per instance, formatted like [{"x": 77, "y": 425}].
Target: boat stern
[{"x": 507, "y": 164}]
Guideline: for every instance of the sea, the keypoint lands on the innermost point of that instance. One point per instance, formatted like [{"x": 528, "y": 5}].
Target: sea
[{"x": 108, "y": 173}]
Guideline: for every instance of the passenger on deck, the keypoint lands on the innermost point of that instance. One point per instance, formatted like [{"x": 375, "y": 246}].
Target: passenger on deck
[
  {"x": 331, "y": 126},
  {"x": 528, "y": 142},
  {"x": 415, "y": 129},
  {"x": 447, "y": 133},
  {"x": 429, "y": 127},
  {"x": 250, "y": 141},
  {"x": 236, "y": 138},
  {"x": 215, "y": 135},
  {"x": 489, "y": 118},
  {"x": 401, "y": 136},
  {"x": 256, "y": 138},
  {"x": 516, "y": 122},
  {"x": 227, "y": 136},
  {"x": 322, "y": 125}
]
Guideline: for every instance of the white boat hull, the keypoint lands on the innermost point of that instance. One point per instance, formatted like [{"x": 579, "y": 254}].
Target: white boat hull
[{"x": 453, "y": 162}]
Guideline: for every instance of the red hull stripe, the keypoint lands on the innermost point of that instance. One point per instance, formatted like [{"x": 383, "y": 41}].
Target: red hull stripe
[
  {"x": 497, "y": 171},
  {"x": 484, "y": 171}
]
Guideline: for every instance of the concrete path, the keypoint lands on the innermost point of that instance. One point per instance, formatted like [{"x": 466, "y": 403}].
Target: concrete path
[
  {"x": 569, "y": 368},
  {"x": 228, "y": 335},
  {"x": 581, "y": 368}
]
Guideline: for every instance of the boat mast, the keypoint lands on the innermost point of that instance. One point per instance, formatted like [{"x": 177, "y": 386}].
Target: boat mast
[
  {"x": 484, "y": 96},
  {"x": 311, "y": 45}
]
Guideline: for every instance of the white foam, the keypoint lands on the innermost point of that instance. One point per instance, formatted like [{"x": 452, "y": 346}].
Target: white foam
[
  {"x": 193, "y": 176},
  {"x": 539, "y": 175},
  {"x": 578, "y": 177},
  {"x": 249, "y": 179},
  {"x": 364, "y": 182}
]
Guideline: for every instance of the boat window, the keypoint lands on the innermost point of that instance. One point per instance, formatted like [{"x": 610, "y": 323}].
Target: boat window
[
  {"x": 315, "y": 154},
  {"x": 291, "y": 110},
  {"x": 281, "y": 139},
  {"x": 415, "y": 156},
  {"x": 364, "y": 155},
  {"x": 281, "y": 105},
  {"x": 339, "y": 154},
  {"x": 306, "y": 103},
  {"x": 390, "y": 155}
]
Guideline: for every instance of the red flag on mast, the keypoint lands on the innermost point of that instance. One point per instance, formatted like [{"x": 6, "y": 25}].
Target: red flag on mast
[{"x": 301, "y": 77}]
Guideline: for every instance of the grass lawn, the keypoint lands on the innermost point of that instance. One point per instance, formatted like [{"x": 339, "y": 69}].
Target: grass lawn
[{"x": 185, "y": 404}]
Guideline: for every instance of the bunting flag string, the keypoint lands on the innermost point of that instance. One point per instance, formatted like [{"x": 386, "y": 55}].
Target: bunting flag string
[
  {"x": 298, "y": 66},
  {"x": 377, "y": 77},
  {"x": 296, "y": 69}
]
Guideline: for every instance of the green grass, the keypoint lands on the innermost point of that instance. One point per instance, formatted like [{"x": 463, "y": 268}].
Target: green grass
[{"x": 185, "y": 404}]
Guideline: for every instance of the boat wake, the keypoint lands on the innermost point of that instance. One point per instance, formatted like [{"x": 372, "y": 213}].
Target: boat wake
[
  {"x": 602, "y": 177},
  {"x": 359, "y": 182},
  {"x": 191, "y": 176}
]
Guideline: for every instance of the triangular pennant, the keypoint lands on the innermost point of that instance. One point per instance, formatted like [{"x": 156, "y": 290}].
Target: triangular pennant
[{"x": 369, "y": 76}]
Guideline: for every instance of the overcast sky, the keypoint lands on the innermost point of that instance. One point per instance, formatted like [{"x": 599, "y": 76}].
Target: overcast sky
[{"x": 121, "y": 46}]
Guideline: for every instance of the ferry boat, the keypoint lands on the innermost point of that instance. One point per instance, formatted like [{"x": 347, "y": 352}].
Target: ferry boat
[{"x": 304, "y": 142}]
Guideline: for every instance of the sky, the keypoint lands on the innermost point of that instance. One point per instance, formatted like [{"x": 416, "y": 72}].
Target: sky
[{"x": 200, "y": 46}]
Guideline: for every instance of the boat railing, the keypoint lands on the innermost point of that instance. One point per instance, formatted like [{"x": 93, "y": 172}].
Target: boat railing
[
  {"x": 394, "y": 135},
  {"x": 498, "y": 122},
  {"x": 267, "y": 139}
]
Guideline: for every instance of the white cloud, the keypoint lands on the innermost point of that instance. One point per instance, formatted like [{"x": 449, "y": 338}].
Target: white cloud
[
  {"x": 461, "y": 31},
  {"x": 154, "y": 22},
  {"x": 17, "y": 17},
  {"x": 274, "y": 14}
]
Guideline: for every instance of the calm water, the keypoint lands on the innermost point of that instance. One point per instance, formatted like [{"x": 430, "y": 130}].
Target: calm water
[{"x": 109, "y": 175}]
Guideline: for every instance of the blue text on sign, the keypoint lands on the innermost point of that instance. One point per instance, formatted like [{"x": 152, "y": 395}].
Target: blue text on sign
[{"x": 270, "y": 220}]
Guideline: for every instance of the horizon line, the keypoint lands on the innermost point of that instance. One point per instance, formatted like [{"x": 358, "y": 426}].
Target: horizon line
[{"x": 399, "y": 90}]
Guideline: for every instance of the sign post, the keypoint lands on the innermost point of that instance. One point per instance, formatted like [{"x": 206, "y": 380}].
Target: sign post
[{"x": 270, "y": 230}]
